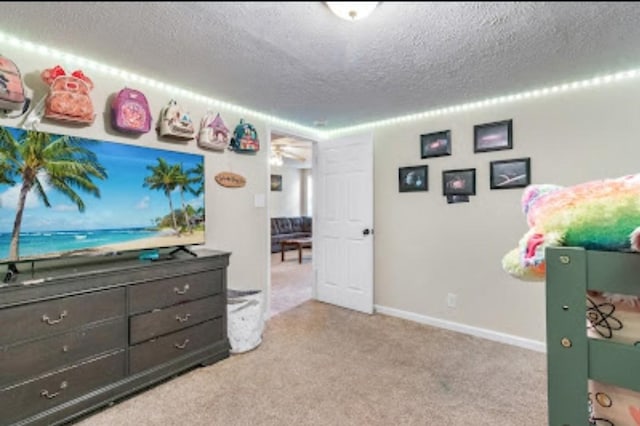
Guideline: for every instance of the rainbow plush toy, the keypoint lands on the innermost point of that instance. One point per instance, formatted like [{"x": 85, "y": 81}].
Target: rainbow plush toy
[{"x": 598, "y": 215}]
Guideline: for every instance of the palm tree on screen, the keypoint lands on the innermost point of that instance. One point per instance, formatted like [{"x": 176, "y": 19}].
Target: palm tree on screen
[
  {"x": 63, "y": 163},
  {"x": 6, "y": 172},
  {"x": 185, "y": 181},
  {"x": 197, "y": 174},
  {"x": 164, "y": 177}
]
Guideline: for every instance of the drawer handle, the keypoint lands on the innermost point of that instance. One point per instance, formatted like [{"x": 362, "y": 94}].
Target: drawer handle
[
  {"x": 183, "y": 291},
  {"x": 182, "y": 346},
  {"x": 45, "y": 318},
  {"x": 183, "y": 319},
  {"x": 45, "y": 393}
]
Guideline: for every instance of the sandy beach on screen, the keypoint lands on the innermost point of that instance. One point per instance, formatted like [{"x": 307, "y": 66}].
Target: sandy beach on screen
[
  {"x": 160, "y": 241},
  {"x": 197, "y": 237}
]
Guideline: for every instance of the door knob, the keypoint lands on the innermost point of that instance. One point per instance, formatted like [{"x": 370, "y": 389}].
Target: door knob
[{"x": 366, "y": 232}]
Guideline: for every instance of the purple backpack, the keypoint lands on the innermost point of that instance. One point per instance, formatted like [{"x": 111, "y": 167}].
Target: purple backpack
[{"x": 130, "y": 112}]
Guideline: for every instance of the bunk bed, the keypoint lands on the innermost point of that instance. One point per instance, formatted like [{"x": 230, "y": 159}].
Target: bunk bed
[{"x": 578, "y": 357}]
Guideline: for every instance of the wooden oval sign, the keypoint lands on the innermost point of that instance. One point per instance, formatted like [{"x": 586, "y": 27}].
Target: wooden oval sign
[{"x": 230, "y": 180}]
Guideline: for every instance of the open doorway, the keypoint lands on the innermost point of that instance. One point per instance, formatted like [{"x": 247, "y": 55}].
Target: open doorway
[{"x": 291, "y": 217}]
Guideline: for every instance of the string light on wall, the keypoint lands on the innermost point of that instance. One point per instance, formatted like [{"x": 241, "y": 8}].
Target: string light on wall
[
  {"x": 536, "y": 93},
  {"x": 129, "y": 77},
  {"x": 315, "y": 133}
]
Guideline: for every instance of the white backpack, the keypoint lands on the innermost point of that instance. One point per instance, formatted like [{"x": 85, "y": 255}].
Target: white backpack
[
  {"x": 213, "y": 133},
  {"x": 175, "y": 122}
]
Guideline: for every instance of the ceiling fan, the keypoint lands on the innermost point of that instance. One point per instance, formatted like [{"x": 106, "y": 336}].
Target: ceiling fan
[
  {"x": 290, "y": 148},
  {"x": 287, "y": 152}
]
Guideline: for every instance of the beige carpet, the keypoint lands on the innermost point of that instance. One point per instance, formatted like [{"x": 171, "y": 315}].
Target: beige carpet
[
  {"x": 322, "y": 365},
  {"x": 290, "y": 280}
]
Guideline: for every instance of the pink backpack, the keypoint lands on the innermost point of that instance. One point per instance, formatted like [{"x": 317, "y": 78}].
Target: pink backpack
[
  {"x": 68, "y": 98},
  {"x": 213, "y": 133},
  {"x": 12, "y": 96},
  {"x": 130, "y": 112}
]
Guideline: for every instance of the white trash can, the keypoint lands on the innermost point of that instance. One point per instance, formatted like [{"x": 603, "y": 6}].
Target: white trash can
[{"x": 245, "y": 319}]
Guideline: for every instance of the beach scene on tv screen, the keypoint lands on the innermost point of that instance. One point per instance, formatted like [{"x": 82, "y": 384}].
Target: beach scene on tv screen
[{"x": 63, "y": 195}]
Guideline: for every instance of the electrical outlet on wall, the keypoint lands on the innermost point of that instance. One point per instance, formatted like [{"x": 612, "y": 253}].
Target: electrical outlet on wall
[{"x": 451, "y": 300}]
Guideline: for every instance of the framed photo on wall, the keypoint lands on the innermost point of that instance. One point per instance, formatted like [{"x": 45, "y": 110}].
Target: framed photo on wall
[
  {"x": 459, "y": 182},
  {"x": 455, "y": 199},
  {"x": 506, "y": 174},
  {"x": 414, "y": 178},
  {"x": 276, "y": 182},
  {"x": 493, "y": 136},
  {"x": 435, "y": 144}
]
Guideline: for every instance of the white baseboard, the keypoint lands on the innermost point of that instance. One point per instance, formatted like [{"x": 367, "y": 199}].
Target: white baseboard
[{"x": 466, "y": 329}]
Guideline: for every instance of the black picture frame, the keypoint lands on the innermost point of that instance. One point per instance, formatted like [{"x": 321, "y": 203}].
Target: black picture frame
[
  {"x": 436, "y": 144},
  {"x": 455, "y": 199},
  {"x": 276, "y": 182},
  {"x": 507, "y": 174},
  {"x": 413, "y": 178},
  {"x": 496, "y": 136},
  {"x": 459, "y": 182}
]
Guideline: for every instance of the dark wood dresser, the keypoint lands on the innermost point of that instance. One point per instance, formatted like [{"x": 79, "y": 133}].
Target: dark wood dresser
[{"x": 79, "y": 333}]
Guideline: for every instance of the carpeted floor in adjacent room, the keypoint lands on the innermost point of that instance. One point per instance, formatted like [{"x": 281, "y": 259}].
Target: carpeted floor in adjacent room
[
  {"x": 290, "y": 281},
  {"x": 323, "y": 365}
]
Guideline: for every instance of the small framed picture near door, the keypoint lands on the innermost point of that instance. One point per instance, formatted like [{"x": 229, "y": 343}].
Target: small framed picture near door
[
  {"x": 435, "y": 144},
  {"x": 414, "y": 178},
  {"x": 493, "y": 136},
  {"x": 506, "y": 174},
  {"x": 276, "y": 182},
  {"x": 459, "y": 182}
]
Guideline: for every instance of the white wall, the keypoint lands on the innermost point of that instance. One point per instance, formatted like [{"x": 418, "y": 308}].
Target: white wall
[
  {"x": 233, "y": 223},
  {"x": 425, "y": 248},
  {"x": 286, "y": 203}
]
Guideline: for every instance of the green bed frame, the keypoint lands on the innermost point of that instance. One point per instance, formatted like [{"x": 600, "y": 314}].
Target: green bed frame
[{"x": 572, "y": 357}]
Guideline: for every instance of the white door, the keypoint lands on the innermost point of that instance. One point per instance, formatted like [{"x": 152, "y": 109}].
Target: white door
[{"x": 343, "y": 222}]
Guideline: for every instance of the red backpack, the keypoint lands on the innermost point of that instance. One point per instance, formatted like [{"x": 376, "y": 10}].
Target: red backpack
[
  {"x": 12, "y": 97},
  {"x": 130, "y": 112}
]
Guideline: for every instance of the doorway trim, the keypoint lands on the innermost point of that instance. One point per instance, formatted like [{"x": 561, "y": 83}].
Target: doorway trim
[{"x": 314, "y": 139}]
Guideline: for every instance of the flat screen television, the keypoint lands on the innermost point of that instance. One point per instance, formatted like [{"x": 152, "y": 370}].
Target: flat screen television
[{"x": 62, "y": 196}]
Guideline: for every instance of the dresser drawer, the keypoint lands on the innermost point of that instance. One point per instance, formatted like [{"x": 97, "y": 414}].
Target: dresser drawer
[
  {"x": 170, "y": 291},
  {"x": 19, "y": 402},
  {"x": 37, "y": 357},
  {"x": 54, "y": 316},
  {"x": 163, "y": 321},
  {"x": 162, "y": 349}
]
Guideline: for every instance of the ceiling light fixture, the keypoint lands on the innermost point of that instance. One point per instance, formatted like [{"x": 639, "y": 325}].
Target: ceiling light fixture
[
  {"x": 276, "y": 160},
  {"x": 352, "y": 11}
]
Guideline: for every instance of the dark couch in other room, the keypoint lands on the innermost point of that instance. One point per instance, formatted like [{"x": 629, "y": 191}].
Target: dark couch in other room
[{"x": 286, "y": 228}]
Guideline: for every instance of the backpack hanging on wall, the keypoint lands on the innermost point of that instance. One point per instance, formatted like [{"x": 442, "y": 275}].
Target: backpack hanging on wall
[
  {"x": 12, "y": 97},
  {"x": 175, "y": 122},
  {"x": 130, "y": 112},
  {"x": 245, "y": 138},
  {"x": 68, "y": 98},
  {"x": 213, "y": 133}
]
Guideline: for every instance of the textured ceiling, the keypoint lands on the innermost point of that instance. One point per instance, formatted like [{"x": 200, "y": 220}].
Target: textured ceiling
[{"x": 300, "y": 62}]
